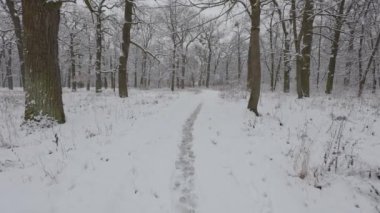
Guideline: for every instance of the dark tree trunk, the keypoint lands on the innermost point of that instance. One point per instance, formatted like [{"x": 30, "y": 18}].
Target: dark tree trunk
[
  {"x": 239, "y": 56},
  {"x": 88, "y": 83},
  {"x": 177, "y": 74},
  {"x": 9, "y": 67},
  {"x": 149, "y": 73},
  {"x": 227, "y": 67},
  {"x": 360, "y": 65},
  {"x": 2, "y": 54},
  {"x": 72, "y": 60},
  {"x": 254, "y": 66},
  {"x": 286, "y": 50},
  {"x": 208, "y": 67},
  {"x": 113, "y": 82},
  {"x": 349, "y": 58},
  {"x": 123, "y": 75},
  {"x": 319, "y": 54},
  {"x": 307, "y": 28},
  {"x": 42, "y": 75},
  {"x": 272, "y": 72},
  {"x": 89, "y": 72},
  {"x": 297, "y": 42},
  {"x": 334, "y": 49},
  {"x": 68, "y": 84},
  {"x": 135, "y": 72},
  {"x": 173, "y": 68},
  {"x": 18, "y": 32},
  {"x": 98, "y": 62},
  {"x": 374, "y": 78},
  {"x": 371, "y": 59},
  {"x": 183, "y": 71},
  {"x": 143, "y": 78},
  {"x": 105, "y": 82}
]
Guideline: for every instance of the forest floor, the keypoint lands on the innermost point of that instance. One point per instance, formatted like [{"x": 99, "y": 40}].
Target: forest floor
[{"x": 192, "y": 151}]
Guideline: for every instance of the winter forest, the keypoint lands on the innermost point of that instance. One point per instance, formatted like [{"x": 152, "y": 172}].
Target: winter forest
[{"x": 185, "y": 106}]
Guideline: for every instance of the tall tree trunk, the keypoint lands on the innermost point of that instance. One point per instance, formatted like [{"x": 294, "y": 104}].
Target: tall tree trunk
[
  {"x": 173, "y": 67},
  {"x": 177, "y": 74},
  {"x": 226, "y": 69},
  {"x": 123, "y": 75},
  {"x": 105, "y": 84},
  {"x": 135, "y": 71},
  {"x": 360, "y": 65},
  {"x": 113, "y": 71},
  {"x": 239, "y": 55},
  {"x": 9, "y": 67},
  {"x": 18, "y": 32},
  {"x": 89, "y": 71},
  {"x": 277, "y": 73},
  {"x": 208, "y": 67},
  {"x": 334, "y": 48},
  {"x": 271, "y": 54},
  {"x": 149, "y": 73},
  {"x": 371, "y": 59},
  {"x": 98, "y": 62},
  {"x": 183, "y": 71},
  {"x": 254, "y": 66},
  {"x": 297, "y": 42},
  {"x": 72, "y": 60},
  {"x": 2, "y": 54},
  {"x": 272, "y": 72},
  {"x": 286, "y": 50},
  {"x": 88, "y": 83},
  {"x": 42, "y": 75},
  {"x": 68, "y": 84},
  {"x": 349, "y": 57},
  {"x": 319, "y": 54},
  {"x": 374, "y": 77},
  {"x": 307, "y": 27},
  {"x": 143, "y": 70}
]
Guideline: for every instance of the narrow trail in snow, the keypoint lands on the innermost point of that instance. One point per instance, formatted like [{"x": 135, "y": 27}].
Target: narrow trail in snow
[{"x": 184, "y": 182}]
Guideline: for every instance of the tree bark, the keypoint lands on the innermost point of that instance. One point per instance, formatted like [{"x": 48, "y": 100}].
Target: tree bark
[
  {"x": 226, "y": 68},
  {"x": 88, "y": 83},
  {"x": 371, "y": 59},
  {"x": 297, "y": 39},
  {"x": 72, "y": 60},
  {"x": 334, "y": 49},
  {"x": 173, "y": 66},
  {"x": 183, "y": 70},
  {"x": 42, "y": 75},
  {"x": 307, "y": 28},
  {"x": 208, "y": 66},
  {"x": 123, "y": 75},
  {"x": 272, "y": 72},
  {"x": 239, "y": 53},
  {"x": 319, "y": 53},
  {"x": 254, "y": 66},
  {"x": 18, "y": 32},
  {"x": 143, "y": 78},
  {"x": 98, "y": 62},
  {"x": 349, "y": 58},
  {"x": 9, "y": 67},
  {"x": 286, "y": 50}
]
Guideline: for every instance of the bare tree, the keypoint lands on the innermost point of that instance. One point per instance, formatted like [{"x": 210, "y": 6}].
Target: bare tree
[
  {"x": 254, "y": 66},
  {"x": 123, "y": 76},
  {"x": 14, "y": 14},
  {"x": 42, "y": 74}
]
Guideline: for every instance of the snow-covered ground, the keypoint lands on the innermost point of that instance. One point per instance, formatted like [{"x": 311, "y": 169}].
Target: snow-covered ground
[{"x": 192, "y": 151}]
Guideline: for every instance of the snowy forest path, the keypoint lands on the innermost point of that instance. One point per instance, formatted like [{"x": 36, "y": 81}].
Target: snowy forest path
[
  {"x": 224, "y": 158},
  {"x": 184, "y": 183},
  {"x": 134, "y": 169}
]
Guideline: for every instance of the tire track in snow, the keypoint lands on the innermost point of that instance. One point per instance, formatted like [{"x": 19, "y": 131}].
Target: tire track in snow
[{"x": 184, "y": 182}]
